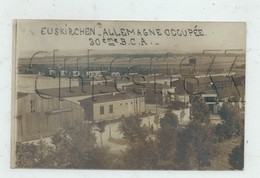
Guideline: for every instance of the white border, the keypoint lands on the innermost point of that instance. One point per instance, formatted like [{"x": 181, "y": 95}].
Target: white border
[{"x": 167, "y": 10}]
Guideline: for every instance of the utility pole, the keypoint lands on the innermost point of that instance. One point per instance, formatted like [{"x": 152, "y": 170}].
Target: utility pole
[
  {"x": 54, "y": 59},
  {"x": 88, "y": 62},
  {"x": 110, "y": 130}
]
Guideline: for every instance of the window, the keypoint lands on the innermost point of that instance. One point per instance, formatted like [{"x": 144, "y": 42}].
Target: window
[
  {"x": 111, "y": 108},
  {"x": 101, "y": 110},
  {"x": 210, "y": 99}
]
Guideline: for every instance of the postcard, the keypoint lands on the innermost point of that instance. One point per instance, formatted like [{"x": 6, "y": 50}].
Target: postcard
[{"x": 132, "y": 95}]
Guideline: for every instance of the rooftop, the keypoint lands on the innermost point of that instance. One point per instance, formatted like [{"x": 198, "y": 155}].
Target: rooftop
[
  {"x": 227, "y": 92},
  {"x": 144, "y": 78},
  {"x": 207, "y": 79},
  {"x": 86, "y": 90},
  {"x": 110, "y": 97},
  {"x": 148, "y": 86}
]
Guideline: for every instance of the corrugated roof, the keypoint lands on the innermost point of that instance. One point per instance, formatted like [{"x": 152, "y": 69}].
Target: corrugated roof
[
  {"x": 77, "y": 91},
  {"x": 143, "y": 78},
  {"x": 149, "y": 86},
  {"x": 227, "y": 92},
  {"x": 214, "y": 78},
  {"x": 207, "y": 80},
  {"x": 109, "y": 98}
]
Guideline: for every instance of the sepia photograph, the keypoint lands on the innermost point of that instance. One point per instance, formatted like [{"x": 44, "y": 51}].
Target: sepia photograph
[{"x": 128, "y": 95}]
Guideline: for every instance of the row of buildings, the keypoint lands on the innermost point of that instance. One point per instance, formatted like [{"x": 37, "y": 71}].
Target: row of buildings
[
  {"x": 214, "y": 89},
  {"x": 41, "y": 114}
]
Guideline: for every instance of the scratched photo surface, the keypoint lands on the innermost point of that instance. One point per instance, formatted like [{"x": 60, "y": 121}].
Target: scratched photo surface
[{"x": 135, "y": 95}]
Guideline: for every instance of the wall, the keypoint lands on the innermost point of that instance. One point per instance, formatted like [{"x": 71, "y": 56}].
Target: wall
[
  {"x": 45, "y": 117},
  {"x": 120, "y": 108}
]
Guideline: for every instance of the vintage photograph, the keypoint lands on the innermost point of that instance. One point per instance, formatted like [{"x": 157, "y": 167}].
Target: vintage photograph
[{"x": 132, "y": 95}]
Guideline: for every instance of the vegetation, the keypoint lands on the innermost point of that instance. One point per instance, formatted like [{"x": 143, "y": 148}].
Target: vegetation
[
  {"x": 171, "y": 146},
  {"x": 31, "y": 155},
  {"x": 132, "y": 129},
  {"x": 176, "y": 105},
  {"x": 199, "y": 139},
  {"x": 72, "y": 147},
  {"x": 140, "y": 152},
  {"x": 167, "y": 138},
  {"x": 141, "y": 155},
  {"x": 236, "y": 158},
  {"x": 199, "y": 110},
  {"x": 231, "y": 122},
  {"x": 101, "y": 128},
  {"x": 196, "y": 140}
]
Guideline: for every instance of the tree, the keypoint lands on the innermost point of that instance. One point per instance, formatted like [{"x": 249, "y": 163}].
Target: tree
[
  {"x": 132, "y": 129},
  {"x": 75, "y": 147},
  {"x": 199, "y": 109},
  {"x": 71, "y": 147},
  {"x": 101, "y": 128},
  {"x": 221, "y": 132},
  {"x": 236, "y": 158},
  {"x": 167, "y": 137},
  {"x": 141, "y": 151},
  {"x": 231, "y": 122},
  {"x": 176, "y": 105},
  {"x": 199, "y": 138},
  {"x": 31, "y": 155},
  {"x": 182, "y": 158},
  {"x": 141, "y": 155},
  {"x": 199, "y": 135}
]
